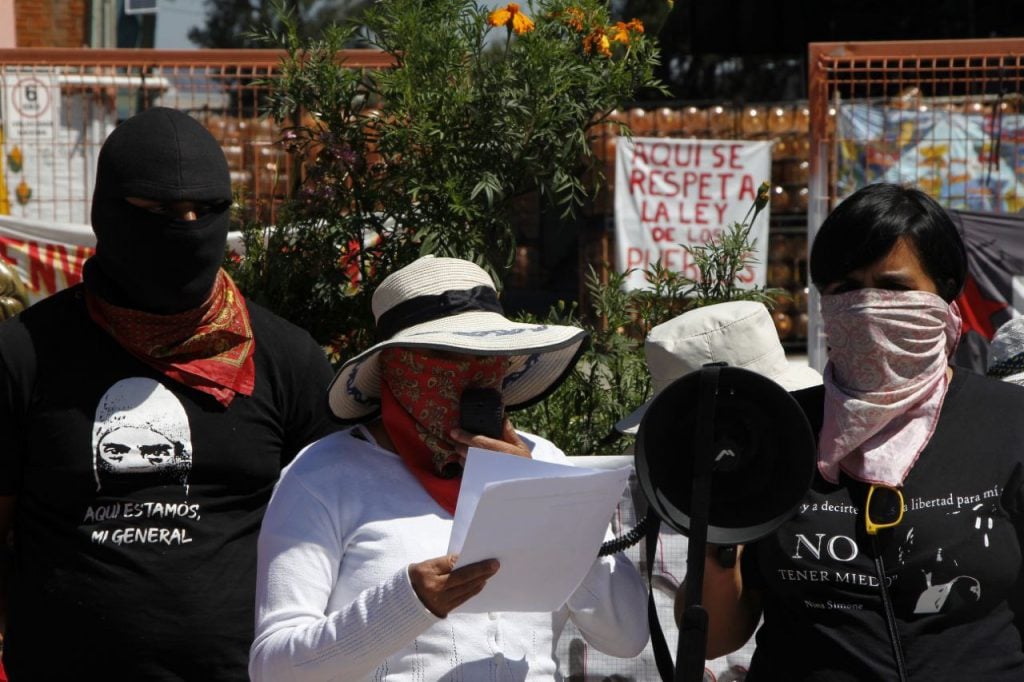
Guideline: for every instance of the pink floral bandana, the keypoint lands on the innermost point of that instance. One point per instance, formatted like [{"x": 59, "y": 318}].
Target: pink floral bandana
[{"x": 885, "y": 380}]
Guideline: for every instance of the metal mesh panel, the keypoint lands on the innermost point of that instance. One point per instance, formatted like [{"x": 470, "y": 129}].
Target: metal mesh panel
[
  {"x": 944, "y": 116},
  {"x": 61, "y": 104}
]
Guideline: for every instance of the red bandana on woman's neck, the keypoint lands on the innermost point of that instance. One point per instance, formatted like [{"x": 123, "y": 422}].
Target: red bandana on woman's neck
[
  {"x": 209, "y": 348},
  {"x": 420, "y": 407}
]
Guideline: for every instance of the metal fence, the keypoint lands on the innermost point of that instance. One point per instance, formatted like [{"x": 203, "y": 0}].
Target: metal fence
[
  {"x": 944, "y": 116},
  {"x": 59, "y": 105}
]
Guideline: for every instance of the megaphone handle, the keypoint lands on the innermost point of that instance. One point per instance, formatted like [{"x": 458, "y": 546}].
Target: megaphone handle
[
  {"x": 694, "y": 632},
  {"x": 693, "y": 644}
]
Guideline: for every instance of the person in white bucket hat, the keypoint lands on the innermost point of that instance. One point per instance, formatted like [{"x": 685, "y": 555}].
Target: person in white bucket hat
[
  {"x": 353, "y": 577},
  {"x": 738, "y": 333}
]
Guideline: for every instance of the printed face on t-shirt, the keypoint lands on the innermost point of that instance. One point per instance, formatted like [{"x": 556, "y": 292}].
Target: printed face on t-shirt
[
  {"x": 141, "y": 437},
  {"x": 131, "y": 449}
]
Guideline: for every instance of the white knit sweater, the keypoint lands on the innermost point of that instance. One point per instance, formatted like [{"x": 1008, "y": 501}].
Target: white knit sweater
[{"x": 334, "y": 600}]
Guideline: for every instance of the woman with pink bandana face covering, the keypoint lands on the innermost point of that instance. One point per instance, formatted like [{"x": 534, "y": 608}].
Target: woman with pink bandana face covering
[{"x": 904, "y": 560}]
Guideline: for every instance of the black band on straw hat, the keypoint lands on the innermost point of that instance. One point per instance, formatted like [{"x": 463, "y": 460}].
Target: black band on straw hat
[{"x": 428, "y": 308}]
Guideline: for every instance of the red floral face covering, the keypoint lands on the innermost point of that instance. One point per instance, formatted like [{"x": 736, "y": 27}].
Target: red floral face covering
[{"x": 420, "y": 407}]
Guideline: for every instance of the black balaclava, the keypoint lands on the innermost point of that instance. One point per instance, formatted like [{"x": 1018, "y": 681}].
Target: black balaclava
[{"x": 149, "y": 261}]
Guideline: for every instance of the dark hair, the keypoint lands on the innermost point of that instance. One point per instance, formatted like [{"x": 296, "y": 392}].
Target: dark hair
[{"x": 864, "y": 228}]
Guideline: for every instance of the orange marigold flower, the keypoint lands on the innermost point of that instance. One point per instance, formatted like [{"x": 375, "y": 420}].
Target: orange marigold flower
[
  {"x": 597, "y": 41},
  {"x": 521, "y": 23},
  {"x": 623, "y": 30},
  {"x": 500, "y": 17},
  {"x": 511, "y": 16},
  {"x": 574, "y": 19}
]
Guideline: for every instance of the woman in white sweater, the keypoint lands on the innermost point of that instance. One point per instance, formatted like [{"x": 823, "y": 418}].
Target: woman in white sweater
[{"x": 353, "y": 581}]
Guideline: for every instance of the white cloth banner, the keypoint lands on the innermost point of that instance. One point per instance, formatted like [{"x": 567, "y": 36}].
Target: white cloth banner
[{"x": 671, "y": 193}]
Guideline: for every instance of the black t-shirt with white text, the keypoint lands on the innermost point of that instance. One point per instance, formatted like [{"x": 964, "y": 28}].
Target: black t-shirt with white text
[
  {"x": 138, "y": 499},
  {"x": 952, "y": 565}
]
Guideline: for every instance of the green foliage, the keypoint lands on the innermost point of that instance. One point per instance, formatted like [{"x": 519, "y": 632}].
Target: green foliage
[
  {"x": 722, "y": 260},
  {"x": 428, "y": 156},
  {"x": 611, "y": 378}
]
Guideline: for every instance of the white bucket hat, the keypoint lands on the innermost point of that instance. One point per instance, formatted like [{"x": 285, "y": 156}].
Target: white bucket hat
[
  {"x": 1006, "y": 353},
  {"x": 451, "y": 305},
  {"x": 738, "y": 333}
]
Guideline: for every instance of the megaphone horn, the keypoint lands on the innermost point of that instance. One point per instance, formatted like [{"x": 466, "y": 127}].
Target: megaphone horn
[{"x": 761, "y": 459}]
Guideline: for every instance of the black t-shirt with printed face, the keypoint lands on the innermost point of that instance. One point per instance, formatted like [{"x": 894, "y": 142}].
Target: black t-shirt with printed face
[
  {"x": 952, "y": 565},
  {"x": 138, "y": 499}
]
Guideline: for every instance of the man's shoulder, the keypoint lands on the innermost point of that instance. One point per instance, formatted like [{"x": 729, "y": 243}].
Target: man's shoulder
[
  {"x": 68, "y": 301},
  {"x": 43, "y": 319},
  {"x": 265, "y": 322},
  {"x": 281, "y": 342}
]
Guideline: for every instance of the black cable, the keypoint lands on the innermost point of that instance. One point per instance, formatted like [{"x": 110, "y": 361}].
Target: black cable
[{"x": 628, "y": 539}]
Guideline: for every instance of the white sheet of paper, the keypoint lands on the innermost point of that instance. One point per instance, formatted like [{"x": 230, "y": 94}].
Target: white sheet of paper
[{"x": 544, "y": 522}]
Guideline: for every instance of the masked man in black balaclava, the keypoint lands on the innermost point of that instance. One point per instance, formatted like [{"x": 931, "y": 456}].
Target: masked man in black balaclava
[
  {"x": 166, "y": 570},
  {"x": 160, "y": 214}
]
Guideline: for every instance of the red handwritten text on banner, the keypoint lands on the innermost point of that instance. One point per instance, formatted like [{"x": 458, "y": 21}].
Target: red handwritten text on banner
[{"x": 675, "y": 193}]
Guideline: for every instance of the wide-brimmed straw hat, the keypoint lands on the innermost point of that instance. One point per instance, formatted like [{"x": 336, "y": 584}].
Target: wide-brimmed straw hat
[
  {"x": 451, "y": 305},
  {"x": 1006, "y": 353},
  {"x": 738, "y": 333}
]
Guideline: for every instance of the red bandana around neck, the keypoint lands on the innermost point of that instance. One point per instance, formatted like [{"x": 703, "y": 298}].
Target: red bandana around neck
[
  {"x": 209, "y": 348},
  {"x": 420, "y": 406}
]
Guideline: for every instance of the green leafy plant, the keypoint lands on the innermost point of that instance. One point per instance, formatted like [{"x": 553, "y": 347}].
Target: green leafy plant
[
  {"x": 721, "y": 260},
  {"x": 611, "y": 378},
  {"x": 480, "y": 107}
]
